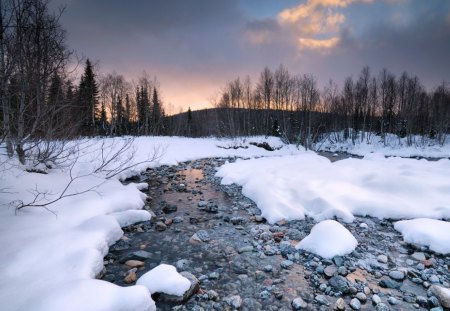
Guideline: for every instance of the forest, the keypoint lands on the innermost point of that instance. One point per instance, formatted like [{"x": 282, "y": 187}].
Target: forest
[{"x": 42, "y": 98}]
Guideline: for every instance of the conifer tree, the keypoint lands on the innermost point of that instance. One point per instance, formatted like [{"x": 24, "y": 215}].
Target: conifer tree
[{"x": 87, "y": 101}]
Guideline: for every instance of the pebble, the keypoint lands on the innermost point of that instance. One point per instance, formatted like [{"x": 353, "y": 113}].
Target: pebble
[
  {"x": 340, "y": 304},
  {"x": 442, "y": 294},
  {"x": 160, "y": 226},
  {"x": 382, "y": 258},
  {"x": 382, "y": 307},
  {"x": 234, "y": 301},
  {"x": 418, "y": 256},
  {"x": 392, "y": 300},
  {"x": 134, "y": 263},
  {"x": 397, "y": 275},
  {"x": 131, "y": 277},
  {"x": 355, "y": 304},
  {"x": 376, "y": 299},
  {"x": 299, "y": 304},
  {"x": 321, "y": 299},
  {"x": 361, "y": 297},
  {"x": 286, "y": 264}
]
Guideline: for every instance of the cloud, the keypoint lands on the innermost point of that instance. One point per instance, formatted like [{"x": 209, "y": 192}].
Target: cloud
[
  {"x": 261, "y": 31},
  {"x": 317, "y": 23}
]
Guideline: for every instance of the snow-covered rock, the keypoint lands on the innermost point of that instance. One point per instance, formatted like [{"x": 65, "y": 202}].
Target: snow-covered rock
[
  {"x": 429, "y": 232},
  {"x": 328, "y": 239},
  {"x": 165, "y": 279}
]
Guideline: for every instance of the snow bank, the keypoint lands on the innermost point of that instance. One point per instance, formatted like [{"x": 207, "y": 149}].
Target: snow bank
[
  {"x": 328, "y": 239},
  {"x": 49, "y": 261},
  {"x": 165, "y": 279},
  {"x": 429, "y": 232},
  {"x": 291, "y": 187},
  {"x": 391, "y": 146}
]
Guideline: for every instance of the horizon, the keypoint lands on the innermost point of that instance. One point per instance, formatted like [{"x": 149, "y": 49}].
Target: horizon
[{"x": 195, "y": 47}]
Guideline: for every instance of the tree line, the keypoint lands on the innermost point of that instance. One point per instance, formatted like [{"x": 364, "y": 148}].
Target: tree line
[
  {"x": 293, "y": 107},
  {"x": 39, "y": 100}
]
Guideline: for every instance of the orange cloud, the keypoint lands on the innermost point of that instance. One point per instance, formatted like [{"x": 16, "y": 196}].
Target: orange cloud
[{"x": 314, "y": 19}]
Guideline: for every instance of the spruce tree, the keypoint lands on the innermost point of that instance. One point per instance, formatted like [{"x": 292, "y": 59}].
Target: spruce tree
[{"x": 87, "y": 101}]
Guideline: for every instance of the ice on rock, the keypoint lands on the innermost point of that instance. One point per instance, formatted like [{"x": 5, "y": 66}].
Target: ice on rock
[{"x": 328, "y": 239}]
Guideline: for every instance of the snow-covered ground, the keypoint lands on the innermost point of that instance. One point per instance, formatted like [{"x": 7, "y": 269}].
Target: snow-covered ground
[
  {"x": 391, "y": 146},
  {"x": 50, "y": 260}
]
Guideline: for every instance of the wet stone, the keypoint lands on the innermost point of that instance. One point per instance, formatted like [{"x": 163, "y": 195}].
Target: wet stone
[{"x": 298, "y": 304}]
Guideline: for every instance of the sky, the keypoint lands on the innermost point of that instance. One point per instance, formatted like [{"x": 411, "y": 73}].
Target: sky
[{"x": 194, "y": 47}]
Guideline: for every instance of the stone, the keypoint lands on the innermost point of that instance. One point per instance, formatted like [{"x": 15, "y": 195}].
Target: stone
[
  {"x": 268, "y": 268},
  {"x": 339, "y": 283},
  {"x": 442, "y": 294},
  {"x": 264, "y": 294},
  {"x": 418, "y": 256},
  {"x": 338, "y": 260},
  {"x": 299, "y": 304},
  {"x": 182, "y": 264},
  {"x": 382, "y": 307},
  {"x": 397, "y": 275},
  {"x": 389, "y": 283},
  {"x": 194, "y": 288},
  {"x": 212, "y": 295},
  {"x": 286, "y": 264},
  {"x": 213, "y": 276},
  {"x": 376, "y": 299},
  {"x": 202, "y": 204},
  {"x": 340, "y": 304},
  {"x": 434, "y": 279},
  {"x": 177, "y": 219},
  {"x": 234, "y": 301},
  {"x": 330, "y": 270},
  {"x": 355, "y": 304},
  {"x": 131, "y": 277},
  {"x": 169, "y": 208},
  {"x": 361, "y": 297},
  {"x": 422, "y": 301},
  {"x": 392, "y": 300},
  {"x": 382, "y": 258},
  {"x": 245, "y": 249},
  {"x": 201, "y": 236},
  {"x": 137, "y": 255},
  {"x": 160, "y": 226},
  {"x": 238, "y": 221},
  {"x": 134, "y": 263},
  {"x": 321, "y": 299}
]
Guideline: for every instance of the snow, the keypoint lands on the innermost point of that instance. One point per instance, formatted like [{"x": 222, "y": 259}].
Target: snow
[
  {"x": 169, "y": 281},
  {"x": 50, "y": 258},
  {"x": 328, "y": 239},
  {"x": 292, "y": 187},
  {"x": 428, "y": 232},
  {"x": 391, "y": 146}
]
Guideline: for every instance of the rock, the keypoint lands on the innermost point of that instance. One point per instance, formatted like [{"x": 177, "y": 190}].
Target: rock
[
  {"x": 339, "y": 283},
  {"x": 245, "y": 249},
  {"x": 361, "y": 297},
  {"x": 264, "y": 294},
  {"x": 422, "y": 301},
  {"x": 382, "y": 307},
  {"x": 234, "y": 301},
  {"x": 442, "y": 294},
  {"x": 321, "y": 299},
  {"x": 182, "y": 264},
  {"x": 202, "y": 204},
  {"x": 286, "y": 264},
  {"x": 212, "y": 295},
  {"x": 195, "y": 286},
  {"x": 299, "y": 304},
  {"x": 382, "y": 258},
  {"x": 418, "y": 256},
  {"x": 330, "y": 270},
  {"x": 169, "y": 208},
  {"x": 259, "y": 218},
  {"x": 134, "y": 263},
  {"x": 110, "y": 278},
  {"x": 160, "y": 226},
  {"x": 397, "y": 275},
  {"x": 238, "y": 221},
  {"x": 212, "y": 208},
  {"x": 355, "y": 304},
  {"x": 376, "y": 299},
  {"x": 268, "y": 268},
  {"x": 177, "y": 219},
  {"x": 131, "y": 277},
  {"x": 340, "y": 304},
  {"x": 200, "y": 236},
  {"x": 427, "y": 263},
  {"x": 389, "y": 283},
  {"x": 213, "y": 276},
  {"x": 434, "y": 279},
  {"x": 138, "y": 255},
  {"x": 392, "y": 300},
  {"x": 338, "y": 260}
]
